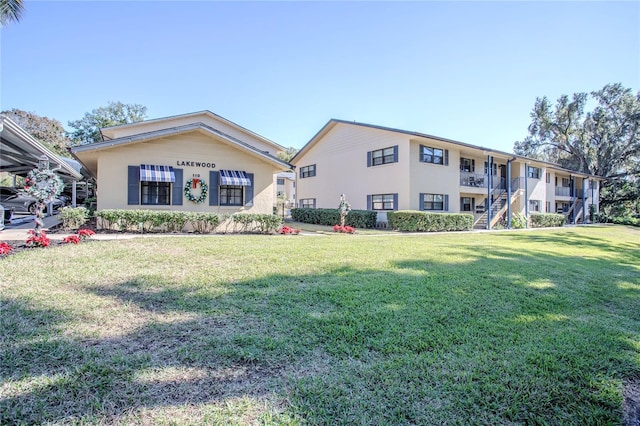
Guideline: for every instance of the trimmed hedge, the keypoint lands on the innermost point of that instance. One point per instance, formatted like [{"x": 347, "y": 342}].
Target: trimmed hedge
[
  {"x": 175, "y": 221},
  {"x": 626, "y": 220},
  {"x": 546, "y": 220},
  {"x": 329, "y": 217},
  {"x": 418, "y": 221},
  {"x": 73, "y": 217}
]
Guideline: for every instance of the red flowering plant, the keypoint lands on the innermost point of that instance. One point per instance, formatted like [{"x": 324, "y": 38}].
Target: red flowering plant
[
  {"x": 346, "y": 229},
  {"x": 5, "y": 248},
  {"x": 71, "y": 239},
  {"x": 83, "y": 234},
  {"x": 35, "y": 240},
  {"x": 287, "y": 230}
]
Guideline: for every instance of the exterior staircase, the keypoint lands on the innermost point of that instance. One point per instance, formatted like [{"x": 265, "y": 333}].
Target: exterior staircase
[{"x": 499, "y": 205}]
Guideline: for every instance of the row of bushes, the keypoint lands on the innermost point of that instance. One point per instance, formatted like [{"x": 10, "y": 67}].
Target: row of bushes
[
  {"x": 626, "y": 220},
  {"x": 546, "y": 220},
  {"x": 329, "y": 217},
  {"x": 418, "y": 221},
  {"x": 179, "y": 221}
]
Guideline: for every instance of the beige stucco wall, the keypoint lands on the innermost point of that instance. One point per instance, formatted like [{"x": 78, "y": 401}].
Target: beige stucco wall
[
  {"x": 195, "y": 146},
  {"x": 205, "y": 118},
  {"x": 431, "y": 178},
  {"x": 341, "y": 168},
  {"x": 340, "y": 156}
]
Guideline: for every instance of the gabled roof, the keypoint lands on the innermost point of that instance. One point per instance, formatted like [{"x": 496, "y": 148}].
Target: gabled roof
[
  {"x": 195, "y": 114},
  {"x": 141, "y": 137},
  {"x": 21, "y": 152},
  {"x": 333, "y": 122}
]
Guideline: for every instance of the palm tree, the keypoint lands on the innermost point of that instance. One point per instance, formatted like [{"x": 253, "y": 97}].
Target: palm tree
[{"x": 10, "y": 10}]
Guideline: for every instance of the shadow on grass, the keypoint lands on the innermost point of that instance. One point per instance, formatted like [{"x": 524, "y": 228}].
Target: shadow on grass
[{"x": 509, "y": 337}]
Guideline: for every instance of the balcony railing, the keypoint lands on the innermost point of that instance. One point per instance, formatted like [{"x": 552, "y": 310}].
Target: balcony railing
[
  {"x": 565, "y": 191},
  {"x": 476, "y": 180}
]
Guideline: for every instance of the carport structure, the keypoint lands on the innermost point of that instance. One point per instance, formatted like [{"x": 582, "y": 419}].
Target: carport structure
[{"x": 20, "y": 153}]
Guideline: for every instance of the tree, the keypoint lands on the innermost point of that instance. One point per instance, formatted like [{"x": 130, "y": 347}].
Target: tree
[
  {"x": 10, "y": 10},
  {"x": 46, "y": 130},
  {"x": 604, "y": 142},
  {"x": 87, "y": 129},
  {"x": 287, "y": 154}
]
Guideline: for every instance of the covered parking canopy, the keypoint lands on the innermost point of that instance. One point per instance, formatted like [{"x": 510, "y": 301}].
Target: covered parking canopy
[{"x": 20, "y": 153}]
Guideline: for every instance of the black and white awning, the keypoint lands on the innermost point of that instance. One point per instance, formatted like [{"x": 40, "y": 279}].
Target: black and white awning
[
  {"x": 234, "y": 177},
  {"x": 152, "y": 173}
]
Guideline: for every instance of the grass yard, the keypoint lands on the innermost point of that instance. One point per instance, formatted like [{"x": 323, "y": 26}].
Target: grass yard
[{"x": 538, "y": 327}]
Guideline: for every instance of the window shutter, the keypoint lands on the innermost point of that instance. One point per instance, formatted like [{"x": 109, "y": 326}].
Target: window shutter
[
  {"x": 473, "y": 166},
  {"x": 446, "y": 157},
  {"x": 420, "y": 156},
  {"x": 395, "y": 154},
  {"x": 395, "y": 201},
  {"x": 214, "y": 188},
  {"x": 176, "y": 196},
  {"x": 473, "y": 205},
  {"x": 369, "y": 206},
  {"x": 248, "y": 192},
  {"x": 368, "y": 158},
  {"x": 133, "y": 189},
  {"x": 446, "y": 202},
  {"x": 421, "y": 206}
]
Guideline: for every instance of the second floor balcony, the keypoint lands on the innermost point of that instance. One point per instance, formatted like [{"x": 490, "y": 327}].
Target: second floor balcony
[
  {"x": 567, "y": 191},
  {"x": 479, "y": 180}
]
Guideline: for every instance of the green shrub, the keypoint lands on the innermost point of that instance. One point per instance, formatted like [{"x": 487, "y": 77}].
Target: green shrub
[
  {"x": 518, "y": 221},
  {"x": 417, "y": 221},
  {"x": 546, "y": 220},
  {"x": 73, "y": 217},
  {"x": 262, "y": 223},
  {"x": 175, "y": 221},
  {"x": 626, "y": 220},
  {"x": 330, "y": 217}
]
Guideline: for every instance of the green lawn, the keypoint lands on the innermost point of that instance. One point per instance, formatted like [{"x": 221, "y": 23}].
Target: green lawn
[{"x": 533, "y": 327}]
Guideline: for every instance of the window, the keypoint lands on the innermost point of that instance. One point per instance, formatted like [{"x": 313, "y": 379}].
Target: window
[
  {"x": 433, "y": 155},
  {"x": 534, "y": 172},
  {"x": 433, "y": 202},
  {"x": 494, "y": 169},
  {"x": 383, "y": 202},
  {"x": 156, "y": 193},
  {"x": 280, "y": 181},
  {"x": 230, "y": 195},
  {"x": 383, "y": 156},
  {"x": 548, "y": 177},
  {"x": 566, "y": 182},
  {"x": 308, "y": 171},
  {"x": 467, "y": 165},
  {"x": 534, "y": 205},
  {"x": 308, "y": 203},
  {"x": 466, "y": 204}
]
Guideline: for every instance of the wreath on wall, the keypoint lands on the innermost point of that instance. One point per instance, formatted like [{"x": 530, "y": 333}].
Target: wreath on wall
[
  {"x": 43, "y": 185},
  {"x": 193, "y": 184}
]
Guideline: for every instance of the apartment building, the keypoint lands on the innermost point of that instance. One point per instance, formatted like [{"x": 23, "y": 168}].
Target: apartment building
[
  {"x": 196, "y": 162},
  {"x": 384, "y": 169}
]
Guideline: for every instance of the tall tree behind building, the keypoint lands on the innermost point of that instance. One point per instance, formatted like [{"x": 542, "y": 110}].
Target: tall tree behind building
[
  {"x": 603, "y": 142},
  {"x": 87, "y": 129},
  {"x": 46, "y": 130}
]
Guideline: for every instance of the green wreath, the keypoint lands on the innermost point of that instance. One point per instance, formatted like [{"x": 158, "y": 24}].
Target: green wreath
[
  {"x": 43, "y": 184},
  {"x": 203, "y": 190}
]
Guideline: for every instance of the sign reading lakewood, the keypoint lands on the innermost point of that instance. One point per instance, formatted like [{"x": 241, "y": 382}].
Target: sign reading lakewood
[{"x": 195, "y": 164}]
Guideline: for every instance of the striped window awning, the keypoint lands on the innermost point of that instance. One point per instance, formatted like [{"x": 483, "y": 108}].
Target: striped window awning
[
  {"x": 151, "y": 173},
  {"x": 234, "y": 177}
]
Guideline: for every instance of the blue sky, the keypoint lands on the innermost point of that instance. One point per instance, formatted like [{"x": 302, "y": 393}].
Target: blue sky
[{"x": 468, "y": 71}]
